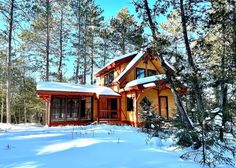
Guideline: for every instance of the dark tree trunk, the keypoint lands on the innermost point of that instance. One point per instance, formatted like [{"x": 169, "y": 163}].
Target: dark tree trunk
[
  {"x": 47, "y": 39},
  {"x": 186, "y": 120},
  {"x": 195, "y": 81},
  {"x": 105, "y": 53},
  {"x": 92, "y": 62},
  {"x": 9, "y": 69},
  {"x": 85, "y": 50},
  {"x": 234, "y": 32},
  {"x": 61, "y": 43},
  {"x": 223, "y": 86},
  {"x": 2, "y": 105},
  {"x": 79, "y": 45}
]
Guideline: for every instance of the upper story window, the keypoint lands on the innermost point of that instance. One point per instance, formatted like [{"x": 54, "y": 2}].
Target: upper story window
[
  {"x": 140, "y": 73},
  {"x": 151, "y": 72},
  {"x": 109, "y": 77}
]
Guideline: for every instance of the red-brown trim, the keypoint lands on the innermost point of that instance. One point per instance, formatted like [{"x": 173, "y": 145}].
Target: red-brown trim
[
  {"x": 119, "y": 108},
  {"x": 114, "y": 65}
]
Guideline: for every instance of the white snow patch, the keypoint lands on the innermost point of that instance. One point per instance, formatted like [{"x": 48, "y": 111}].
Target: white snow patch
[
  {"x": 149, "y": 85},
  {"x": 145, "y": 80},
  {"x": 69, "y": 87},
  {"x": 90, "y": 146}
]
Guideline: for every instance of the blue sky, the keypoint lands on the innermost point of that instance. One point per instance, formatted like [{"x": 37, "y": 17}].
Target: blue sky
[{"x": 112, "y": 7}]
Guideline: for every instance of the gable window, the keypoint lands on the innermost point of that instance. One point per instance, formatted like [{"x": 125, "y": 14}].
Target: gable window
[
  {"x": 130, "y": 104},
  {"x": 151, "y": 72},
  {"x": 145, "y": 103},
  {"x": 106, "y": 79},
  {"x": 109, "y": 77},
  {"x": 140, "y": 73}
]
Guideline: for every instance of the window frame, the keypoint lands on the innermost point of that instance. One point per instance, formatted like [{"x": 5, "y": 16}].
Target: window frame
[
  {"x": 144, "y": 73},
  {"x": 151, "y": 70},
  {"x": 109, "y": 77}
]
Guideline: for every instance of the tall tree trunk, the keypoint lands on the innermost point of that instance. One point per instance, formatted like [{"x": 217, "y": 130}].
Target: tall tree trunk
[
  {"x": 9, "y": 73},
  {"x": 195, "y": 81},
  {"x": 85, "y": 50},
  {"x": 92, "y": 62},
  {"x": 47, "y": 39},
  {"x": 61, "y": 43},
  {"x": 223, "y": 86},
  {"x": 25, "y": 112},
  {"x": 123, "y": 43},
  {"x": 186, "y": 120},
  {"x": 105, "y": 53},
  {"x": 234, "y": 31},
  {"x": 2, "y": 105},
  {"x": 79, "y": 45}
]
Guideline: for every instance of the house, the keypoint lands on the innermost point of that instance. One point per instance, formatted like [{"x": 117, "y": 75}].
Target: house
[{"x": 127, "y": 85}]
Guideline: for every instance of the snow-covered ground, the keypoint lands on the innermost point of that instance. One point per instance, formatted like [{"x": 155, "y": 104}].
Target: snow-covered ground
[{"x": 94, "y": 146}]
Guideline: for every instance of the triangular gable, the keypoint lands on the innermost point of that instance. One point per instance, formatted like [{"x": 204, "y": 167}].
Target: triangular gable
[
  {"x": 130, "y": 66},
  {"x": 133, "y": 63},
  {"x": 115, "y": 61}
]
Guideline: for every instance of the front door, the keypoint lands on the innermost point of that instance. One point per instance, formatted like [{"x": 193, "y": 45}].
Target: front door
[{"x": 163, "y": 102}]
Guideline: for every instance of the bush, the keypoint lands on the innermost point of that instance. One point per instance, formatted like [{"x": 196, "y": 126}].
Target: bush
[{"x": 150, "y": 122}]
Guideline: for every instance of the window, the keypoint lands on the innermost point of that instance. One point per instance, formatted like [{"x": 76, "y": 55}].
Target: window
[
  {"x": 140, "y": 73},
  {"x": 58, "y": 108},
  {"x": 130, "y": 104},
  {"x": 113, "y": 104},
  {"x": 86, "y": 108},
  {"x": 145, "y": 103},
  {"x": 108, "y": 78},
  {"x": 111, "y": 76},
  {"x": 151, "y": 72},
  {"x": 72, "y": 108}
]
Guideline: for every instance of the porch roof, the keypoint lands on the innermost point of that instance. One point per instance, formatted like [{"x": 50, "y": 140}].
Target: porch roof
[{"x": 75, "y": 88}]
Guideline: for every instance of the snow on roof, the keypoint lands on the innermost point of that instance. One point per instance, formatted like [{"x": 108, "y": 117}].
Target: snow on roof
[
  {"x": 169, "y": 65},
  {"x": 130, "y": 65},
  {"x": 117, "y": 59},
  {"x": 69, "y": 87},
  {"x": 145, "y": 80}
]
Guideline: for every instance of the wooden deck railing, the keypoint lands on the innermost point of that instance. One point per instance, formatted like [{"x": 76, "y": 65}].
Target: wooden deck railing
[{"x": 108, "y": 114}]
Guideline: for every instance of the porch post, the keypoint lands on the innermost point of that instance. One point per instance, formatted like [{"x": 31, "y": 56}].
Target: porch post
[
  {"x": 136, "y": 111},
  {"x": 98, "y": 109},
  {"x": 120, "y": 117}
]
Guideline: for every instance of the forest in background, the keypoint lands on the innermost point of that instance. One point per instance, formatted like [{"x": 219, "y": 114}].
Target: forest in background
[{"x": 44, "y": 40}]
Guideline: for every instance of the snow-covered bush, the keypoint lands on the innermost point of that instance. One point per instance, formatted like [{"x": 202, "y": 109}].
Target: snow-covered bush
[{"x": 150, "y": 121}]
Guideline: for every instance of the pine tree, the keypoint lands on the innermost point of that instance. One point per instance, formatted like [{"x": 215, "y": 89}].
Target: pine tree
[{"x": 126, "y": 32}]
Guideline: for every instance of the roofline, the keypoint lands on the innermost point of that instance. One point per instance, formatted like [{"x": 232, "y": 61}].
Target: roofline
[
  {"x": 120, "y": 58},
  {"x": 120, "y": 79}
]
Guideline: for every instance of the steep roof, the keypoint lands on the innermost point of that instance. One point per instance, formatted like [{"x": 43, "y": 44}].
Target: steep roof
[
  {"x": 130, "y": 65},
  {"x": 69, "y": 87},
  {"x": 116, "y": 60}
]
